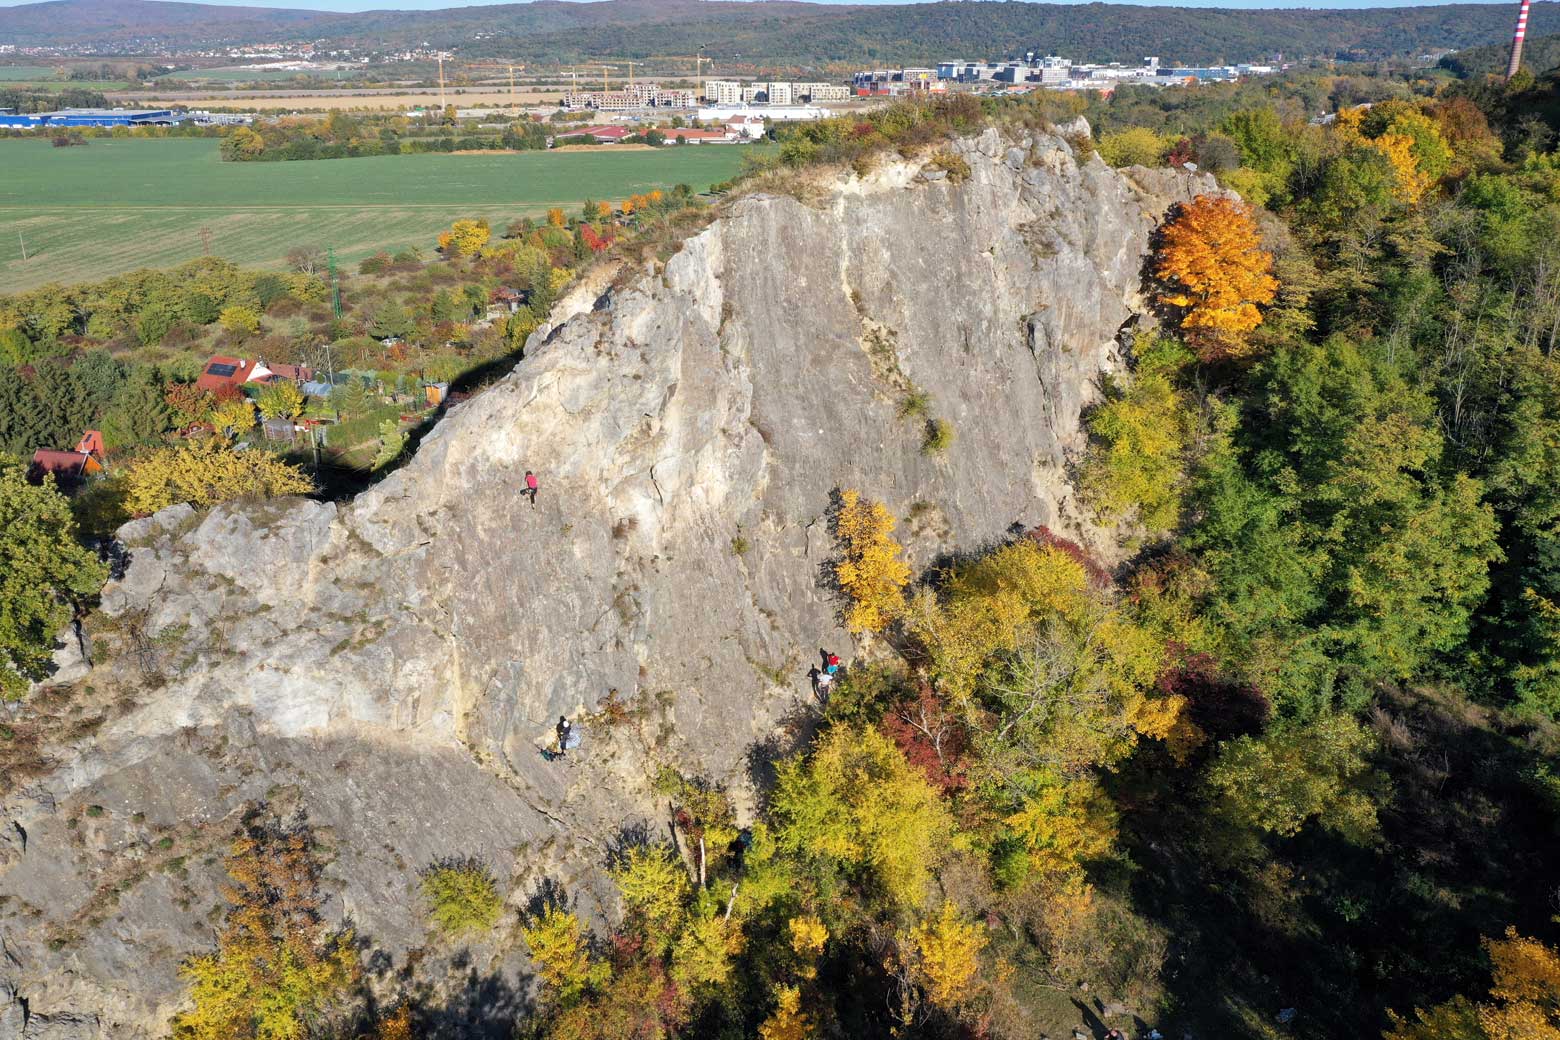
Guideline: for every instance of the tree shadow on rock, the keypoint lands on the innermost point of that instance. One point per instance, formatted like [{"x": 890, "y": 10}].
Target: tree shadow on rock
[{"x": 478, "y": 1006}]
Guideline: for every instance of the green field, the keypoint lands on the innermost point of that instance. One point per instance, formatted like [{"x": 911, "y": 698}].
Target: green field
[
  {"x": 25, "y": 73},
  {"x": 115, "y": 205}
]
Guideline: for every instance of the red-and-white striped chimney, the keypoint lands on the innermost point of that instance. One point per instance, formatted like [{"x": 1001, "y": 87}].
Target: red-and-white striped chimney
[{"x": 1516, "y": 41}]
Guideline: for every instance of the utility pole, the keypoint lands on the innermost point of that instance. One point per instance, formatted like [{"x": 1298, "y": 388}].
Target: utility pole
[
  {"x": 631, "y": 73},
  {"x": 511, "y": 81},
  {"x": 205, "y": 240},
  {"x": 335, "y": 283},
  {"x": 603, "y": 79},
  {"x": 698, "y": 72},
  {"x": 1516, "y": 41},
  {"x": 23, "y": 241},
  {"x": 442, "y": 104}
]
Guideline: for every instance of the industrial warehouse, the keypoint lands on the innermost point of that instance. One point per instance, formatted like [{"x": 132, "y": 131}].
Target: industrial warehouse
[{"x": 89, "y": 117}]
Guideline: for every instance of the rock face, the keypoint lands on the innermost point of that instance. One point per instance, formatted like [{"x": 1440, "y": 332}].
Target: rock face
[{"x": 392, "y": 666}]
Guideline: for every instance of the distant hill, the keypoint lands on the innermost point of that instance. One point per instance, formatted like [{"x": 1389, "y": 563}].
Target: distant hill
[
  {"x": 791, "y": 34},
  {"x": 1539, "y": 55}
]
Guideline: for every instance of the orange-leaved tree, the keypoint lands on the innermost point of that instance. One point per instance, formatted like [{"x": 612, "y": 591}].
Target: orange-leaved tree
[
  {"x": 1215, "y": 272},
  {"x": 870, "y": 570}
]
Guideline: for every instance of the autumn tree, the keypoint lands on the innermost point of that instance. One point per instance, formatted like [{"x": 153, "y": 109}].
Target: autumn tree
[
  {"x": 870, "y": 570},
  {"x": 948, "y": 949},
  {"x": 560, "y": 947},
  {"x": 240, "y": 320},
  {"x": 1523, "y": 1004},
  {"x": 465, "y": 238},
  {"x": 206, "y": 471},
  {"x": 233, "y": 417},
  {"x": 1215, "y": 273},
  {"x": 1139, "y": 437},
  {"x": 277, "y": 973},
  {"x": 280, "y": 400},
  {"x": 45, "y": 575},
  {"x": 858, "y": 808}
]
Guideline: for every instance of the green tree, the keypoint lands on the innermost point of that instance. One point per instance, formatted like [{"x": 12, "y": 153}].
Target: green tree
[
  {"x": 389, "y": 320},
  {"x": 1298, "y": 773},
  {"x": 45, "y": 576},
  {"x": 139, "y": 412}
]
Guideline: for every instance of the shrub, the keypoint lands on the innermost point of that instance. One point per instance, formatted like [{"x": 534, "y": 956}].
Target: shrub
[
  {"x": 207, "y": 471},
  {"x": 462, "y": 897},
  {"x": 939, "y": 438}
]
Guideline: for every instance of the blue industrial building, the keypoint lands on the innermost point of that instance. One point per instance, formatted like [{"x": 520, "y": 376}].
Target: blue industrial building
[{"x": 87, "y": 117}]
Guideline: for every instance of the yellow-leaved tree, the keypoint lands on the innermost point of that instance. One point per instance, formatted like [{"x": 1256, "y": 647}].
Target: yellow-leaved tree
[
  {"x": 206, "y": 471},
  {"x": 280, "y": 400},
  {"x": 859, "y": 808},
  {"x": 870, "y": 570},
  {"x": 560, "y": 949},
  {"x": 234, "y": 417},
  {"x": 1215, "y": 272},
  {"x": 1524, "y": 1000},
  {"x": 948, "y": 949},
  {"x": 277, "y": 973},
  {"x": 465, "y": 238},
  {"x": 789, "y": 1021}
]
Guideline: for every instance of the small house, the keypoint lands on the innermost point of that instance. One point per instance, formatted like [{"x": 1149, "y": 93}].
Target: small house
[
  {"x": 222, "y": 372},
  {"x": 511, "y": 300},
  {"x": 69, "y": 468}
]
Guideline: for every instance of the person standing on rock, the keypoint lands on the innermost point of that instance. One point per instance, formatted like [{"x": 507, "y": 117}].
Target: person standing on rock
[
  {"x": 564, "y": 729},
  {"x": 530, "y": 487}
]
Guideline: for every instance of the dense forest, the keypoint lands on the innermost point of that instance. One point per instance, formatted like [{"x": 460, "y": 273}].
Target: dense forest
[
  {"x": 798, "y": 35},
  {"x": 1288, "y": 771}
]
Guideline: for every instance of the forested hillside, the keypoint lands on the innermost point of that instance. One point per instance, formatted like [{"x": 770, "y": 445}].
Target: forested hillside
[{"x": 792, "y": 34}]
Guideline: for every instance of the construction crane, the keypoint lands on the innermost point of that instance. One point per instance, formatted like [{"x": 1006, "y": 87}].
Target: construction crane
[
  {"x": 698, "y": 67},
  {"x": 1516, "y": 41}
]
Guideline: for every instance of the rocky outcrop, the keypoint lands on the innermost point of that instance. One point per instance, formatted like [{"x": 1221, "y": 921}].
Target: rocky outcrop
[{"x": 392, "y": 666}]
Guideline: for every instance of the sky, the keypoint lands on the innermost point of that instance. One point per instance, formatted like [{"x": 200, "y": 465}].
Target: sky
[{"x": 433, "y": 5}]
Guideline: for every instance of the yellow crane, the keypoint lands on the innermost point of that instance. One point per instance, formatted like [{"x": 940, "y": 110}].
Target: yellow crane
[{"x": 698, "y": 67}]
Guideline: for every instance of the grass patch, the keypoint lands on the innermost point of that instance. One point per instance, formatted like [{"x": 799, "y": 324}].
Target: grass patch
[
  {"x": 740, "y": 546},
  {"x": 917, "y": 404}
]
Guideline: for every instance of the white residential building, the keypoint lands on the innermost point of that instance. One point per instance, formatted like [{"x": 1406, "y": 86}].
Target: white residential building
[{"x": 723, "y": 91}]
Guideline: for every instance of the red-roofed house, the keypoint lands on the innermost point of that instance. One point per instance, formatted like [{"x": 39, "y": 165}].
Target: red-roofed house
[
  {"x": 600, "y": 134},
  {"x": 69, "y": 467},
  {"x": 221, "y": 372},
  {"x": 701, "y": 136}
]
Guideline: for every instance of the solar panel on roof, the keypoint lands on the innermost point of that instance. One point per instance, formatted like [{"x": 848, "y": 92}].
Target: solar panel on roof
[{"x": 221, "y": 370}]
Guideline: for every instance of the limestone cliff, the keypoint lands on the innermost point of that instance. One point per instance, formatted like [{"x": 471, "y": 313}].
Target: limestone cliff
[{"x": 392, "y": 665}]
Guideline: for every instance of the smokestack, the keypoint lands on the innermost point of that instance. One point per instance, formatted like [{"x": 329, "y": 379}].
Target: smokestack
[{"x": 1516, "y": 41}]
